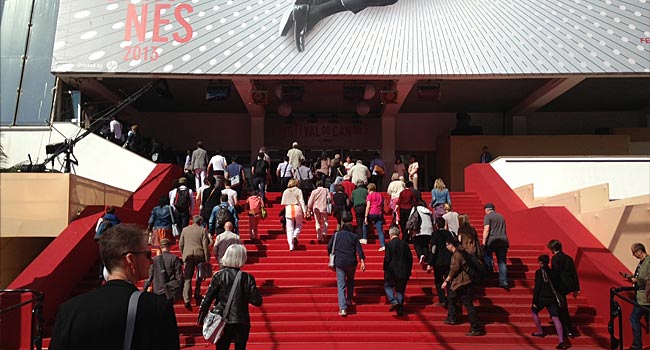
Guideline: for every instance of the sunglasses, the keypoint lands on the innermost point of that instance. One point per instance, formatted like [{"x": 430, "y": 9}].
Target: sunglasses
[{"x": 146, "y": 253}]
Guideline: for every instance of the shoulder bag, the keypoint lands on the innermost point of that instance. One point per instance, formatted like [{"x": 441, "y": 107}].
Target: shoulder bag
[
  {"x": 130, "y": 319},
  {"x": 215, "y": 323},
  {"x": 175, "y": 232},
  {"x": 330, "y": 264},
  {"x": 173, "y": 287}
]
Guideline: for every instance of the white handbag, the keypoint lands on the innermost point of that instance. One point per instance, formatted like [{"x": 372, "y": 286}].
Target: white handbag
[
  {"x": 214, "y": 323},
  {"x": 330, "y": 264}
]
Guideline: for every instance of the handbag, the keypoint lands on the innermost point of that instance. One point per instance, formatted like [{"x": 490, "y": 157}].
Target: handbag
[
  {"x": 330, "y": 264},
  {"x": 329, "y": 204},
  {"x": 175, "y": 232},
  {"x": 204, "y": 270},
  {"x": 264, "y": 214},
  {"x": 235, "y": 180},
  {"x": 214, "y": 323},
  {"x": 378, "y": 170}
]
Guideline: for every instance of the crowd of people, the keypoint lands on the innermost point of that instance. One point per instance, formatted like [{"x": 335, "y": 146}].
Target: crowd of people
[{"x": 444, "y": 242}]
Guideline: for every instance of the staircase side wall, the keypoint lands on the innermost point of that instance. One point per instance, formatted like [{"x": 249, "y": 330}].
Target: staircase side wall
[{"x": 597, "y": 267}]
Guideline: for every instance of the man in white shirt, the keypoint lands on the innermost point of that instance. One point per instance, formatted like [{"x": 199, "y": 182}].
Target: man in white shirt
[
  {"x": 217, "y": 164},
  {"x": 232, "y": 194},
  {"x": 295, "y": 156},
  {"x": 116, "y": 130},
  {"x": 182, "y": 199},
  {"x": 284, "y": 172},
  {"x": 359, "y": 173}
]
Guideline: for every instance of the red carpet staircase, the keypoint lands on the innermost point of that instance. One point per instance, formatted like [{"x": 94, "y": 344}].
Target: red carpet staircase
[{"x": 300, "y": 304}]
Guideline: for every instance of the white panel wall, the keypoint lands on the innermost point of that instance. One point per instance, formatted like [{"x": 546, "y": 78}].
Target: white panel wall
[
  {"x": 626, "y": 176},
  {"x": 99, "y": 159}
]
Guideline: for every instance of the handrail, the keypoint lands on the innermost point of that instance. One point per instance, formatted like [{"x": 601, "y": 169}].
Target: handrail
[
  {"x": 616, "y": 312},
  {"x": 37, "y": 321}
]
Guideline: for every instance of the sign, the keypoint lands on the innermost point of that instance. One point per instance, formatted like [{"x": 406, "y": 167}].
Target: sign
[
  {"x": 393, "y": 37},
  {"x": 361, "y": 134}
]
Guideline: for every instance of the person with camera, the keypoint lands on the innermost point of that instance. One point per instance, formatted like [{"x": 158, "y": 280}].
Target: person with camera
[{"x": 641, "y": 283}]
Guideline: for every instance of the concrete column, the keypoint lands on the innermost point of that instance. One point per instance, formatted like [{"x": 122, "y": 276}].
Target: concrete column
[
  {"x": 244, "y": 88},
  {"x": 257, "y": 135},
  {"x": 389, "y": 126},
  {"x": 388, "y": 146}
]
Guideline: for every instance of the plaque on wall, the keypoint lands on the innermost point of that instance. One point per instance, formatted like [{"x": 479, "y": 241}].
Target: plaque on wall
[{"x": 323, "y": 133}]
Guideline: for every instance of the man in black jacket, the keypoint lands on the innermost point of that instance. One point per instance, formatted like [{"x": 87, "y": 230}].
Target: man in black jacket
[
  {"x": 398, "y": 263},
  {"x": 345, "y": 246},
  {"x": 97, "y": 320},
  {"x": 441, "y": 259},
  {"x": 564, "y": 271}
]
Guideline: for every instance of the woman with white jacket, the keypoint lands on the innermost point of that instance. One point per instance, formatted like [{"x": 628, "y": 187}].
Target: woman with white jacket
[
  {"x": 295, "y": 210},
  {"x": 422, "y": 236}
]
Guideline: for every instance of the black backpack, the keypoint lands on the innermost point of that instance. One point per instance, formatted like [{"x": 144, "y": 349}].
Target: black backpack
[
  {"x": 475, "y": 268},
  {"x": 182, "y": 200},
  {"x": 260, "y": 168},
  {"x": 224, "y": 215},
  {"x": 414, "y": 221}
]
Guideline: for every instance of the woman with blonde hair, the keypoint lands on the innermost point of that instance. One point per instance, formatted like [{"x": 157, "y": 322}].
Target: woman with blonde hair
[
  {"x": 394, "y": 188},
  {"x": 294, "y": 208},
  {"x": 439, "y": 196}
]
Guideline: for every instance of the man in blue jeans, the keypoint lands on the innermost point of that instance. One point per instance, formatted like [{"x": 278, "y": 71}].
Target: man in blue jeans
[
  {"x": 641, "y": 280},
  {"x": 495, "y": 241},
  {"x": 345, "y": 247}
]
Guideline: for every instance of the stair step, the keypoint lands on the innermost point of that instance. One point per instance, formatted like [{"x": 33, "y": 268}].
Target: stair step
[{"x": 300, "y": 298}]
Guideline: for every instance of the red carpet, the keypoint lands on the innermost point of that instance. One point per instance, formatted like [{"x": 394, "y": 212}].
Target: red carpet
[{"x": 300, "y": 304}]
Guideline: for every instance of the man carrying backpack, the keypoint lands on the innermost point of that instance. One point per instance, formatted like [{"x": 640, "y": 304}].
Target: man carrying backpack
[
  {"x": 260, "y": 169},
  {"x": 182, "y": 199},
  {"x": 461, "y": 289},
  {"x": 221, "y": 214}
]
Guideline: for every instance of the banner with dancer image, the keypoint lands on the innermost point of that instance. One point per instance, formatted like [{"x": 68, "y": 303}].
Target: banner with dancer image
[{"x": 352, "y": 37}]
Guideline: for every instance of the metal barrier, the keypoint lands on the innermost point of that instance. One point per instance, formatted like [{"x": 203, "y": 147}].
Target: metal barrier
[
  {"x": 616, "y": 312},
  {"x": 37, "y": 314}
]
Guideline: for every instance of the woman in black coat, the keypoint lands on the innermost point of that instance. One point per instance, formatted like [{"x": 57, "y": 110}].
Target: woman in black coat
[
  {"x": 238, "y": 324},
  {"x": 545, "y": 296}
]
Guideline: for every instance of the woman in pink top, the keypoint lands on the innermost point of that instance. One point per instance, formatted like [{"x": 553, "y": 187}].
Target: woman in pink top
[
  {"x": 318, "y": 206},
  {"x": 374, "y": 214}
]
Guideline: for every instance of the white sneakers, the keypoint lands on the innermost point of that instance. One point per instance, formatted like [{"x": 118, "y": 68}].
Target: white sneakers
[
  {"x": 343, "y": 313},
  {"x": 382, "y": 249},
  {"x": 363, "y": 241}
]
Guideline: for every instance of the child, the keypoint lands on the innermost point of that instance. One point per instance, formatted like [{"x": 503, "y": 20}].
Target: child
[{"x": 545, "y": 296}]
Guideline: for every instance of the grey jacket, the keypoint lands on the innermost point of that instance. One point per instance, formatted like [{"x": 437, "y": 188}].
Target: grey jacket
[{"x": 199, "y": 159}]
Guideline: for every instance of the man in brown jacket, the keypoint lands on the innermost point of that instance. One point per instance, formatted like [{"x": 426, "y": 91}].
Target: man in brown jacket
[
  {"x": 461, "y": 288},
  {"x": 194, "y": 249}
]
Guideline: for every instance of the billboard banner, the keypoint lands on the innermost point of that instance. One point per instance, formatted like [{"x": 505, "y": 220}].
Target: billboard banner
[{"x": 352, "y": 37}]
